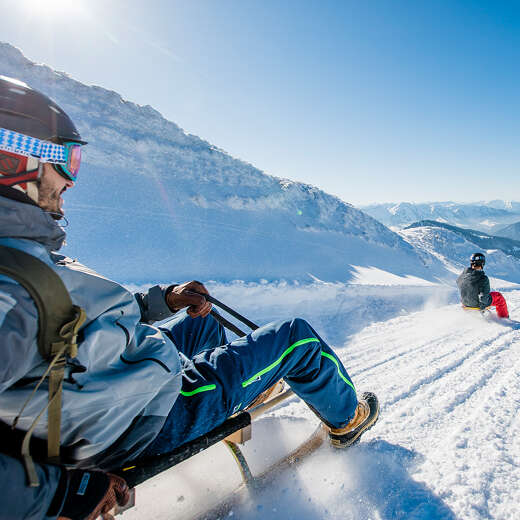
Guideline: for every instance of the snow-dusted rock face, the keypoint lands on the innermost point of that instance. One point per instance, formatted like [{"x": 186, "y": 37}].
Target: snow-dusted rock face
[
  {"x": 153, "y": 202},
  {"x": 488, "y": 216}
]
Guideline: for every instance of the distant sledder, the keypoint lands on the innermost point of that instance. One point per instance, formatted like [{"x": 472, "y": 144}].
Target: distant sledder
[
  {"x": 121, "y": 387},
  {"x": 475, "y": 291}
]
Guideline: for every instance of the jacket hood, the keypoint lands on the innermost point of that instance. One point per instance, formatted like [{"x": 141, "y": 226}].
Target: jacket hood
[{"x": 21, "y": 220}]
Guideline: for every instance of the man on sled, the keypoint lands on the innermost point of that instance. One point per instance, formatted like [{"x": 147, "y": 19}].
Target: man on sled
[
  {"x": 128, "y": 388},
  {"x": 475, "y": 291}
]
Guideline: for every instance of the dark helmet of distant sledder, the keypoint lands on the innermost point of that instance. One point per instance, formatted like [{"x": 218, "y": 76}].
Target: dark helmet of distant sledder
[
  {"x": 477, "y": 260},
  {"x": 34, "y": 130}
]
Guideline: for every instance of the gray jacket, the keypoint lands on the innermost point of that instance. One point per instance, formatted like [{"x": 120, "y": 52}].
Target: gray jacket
[
  {"x": 126, "y": 377},
  {"x": 474, "y": 288}
]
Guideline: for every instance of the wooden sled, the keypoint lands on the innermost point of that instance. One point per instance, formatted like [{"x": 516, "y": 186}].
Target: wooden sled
[
  {"x": 235, "y": 431},
  {"x": 464, "y": 307}
]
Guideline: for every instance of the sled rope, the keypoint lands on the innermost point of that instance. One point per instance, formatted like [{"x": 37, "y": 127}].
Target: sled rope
[
  {"x": 227, "y": 324},
  {"x": 229, "y": 310},
  {"x": 223, "y": 321}
]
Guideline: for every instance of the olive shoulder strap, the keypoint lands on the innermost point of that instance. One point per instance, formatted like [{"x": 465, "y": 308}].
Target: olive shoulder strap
[{"x": 59, "y": 321}]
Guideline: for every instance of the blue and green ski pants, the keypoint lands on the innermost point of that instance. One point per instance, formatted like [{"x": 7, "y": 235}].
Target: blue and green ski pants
[{"x": 221, "y": 378}]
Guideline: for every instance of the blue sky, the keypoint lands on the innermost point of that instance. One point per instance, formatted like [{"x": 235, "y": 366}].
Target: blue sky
[{"x": 371, "y": 101}]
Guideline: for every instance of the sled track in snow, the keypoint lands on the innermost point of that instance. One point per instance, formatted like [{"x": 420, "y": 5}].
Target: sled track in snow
[
  {"x": 490, "y": 410},
  {"x": 412, "y": 351},
  {"x": 453, "y": 398},
  {"x": 442, "y": 372}
]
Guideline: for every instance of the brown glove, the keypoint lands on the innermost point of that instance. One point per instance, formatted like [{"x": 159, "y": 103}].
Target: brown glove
[
  {"x": 185, "y": 295},
  {"x": 91, "y": 494}
]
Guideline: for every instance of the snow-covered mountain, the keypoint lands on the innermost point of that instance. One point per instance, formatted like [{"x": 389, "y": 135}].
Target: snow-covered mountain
[
  {"x": 453, "y": 249},
  {"x": 511, "y": 231},
  {"x": 508, "y": 205},
  {"x": 483, "y": 241},
  {"x": 153, "y": 202},
  {"x": 488, "y": 216}
]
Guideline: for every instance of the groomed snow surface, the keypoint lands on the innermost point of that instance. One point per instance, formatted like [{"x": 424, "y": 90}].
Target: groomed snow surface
[{"x": 447, "y": 444}]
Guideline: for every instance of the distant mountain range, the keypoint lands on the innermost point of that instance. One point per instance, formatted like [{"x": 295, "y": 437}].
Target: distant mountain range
[{"x": 488, "y": 216}]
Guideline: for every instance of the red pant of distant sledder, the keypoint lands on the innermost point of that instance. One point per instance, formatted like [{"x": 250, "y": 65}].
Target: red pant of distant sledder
[{"x": 499, "y": 302}]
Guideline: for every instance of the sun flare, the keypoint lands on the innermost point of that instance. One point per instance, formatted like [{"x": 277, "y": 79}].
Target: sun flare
[{"x": 54, "y": 8}]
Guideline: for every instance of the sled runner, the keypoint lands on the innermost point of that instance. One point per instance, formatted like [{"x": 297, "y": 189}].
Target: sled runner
[{"x": 214, "y": 472}]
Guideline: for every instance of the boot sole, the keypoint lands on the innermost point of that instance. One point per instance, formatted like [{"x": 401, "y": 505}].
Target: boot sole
[{"x": 347, "y": 440}]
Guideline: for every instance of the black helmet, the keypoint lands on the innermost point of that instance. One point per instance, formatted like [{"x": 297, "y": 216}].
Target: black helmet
[
  {"x": 34, "y": 130},
  {"x": 478, "y": 259},
  {"x": 27, "y": 111}
]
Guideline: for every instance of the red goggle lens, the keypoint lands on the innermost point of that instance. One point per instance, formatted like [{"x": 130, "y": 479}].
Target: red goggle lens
[{"x": 74, "y": 160}]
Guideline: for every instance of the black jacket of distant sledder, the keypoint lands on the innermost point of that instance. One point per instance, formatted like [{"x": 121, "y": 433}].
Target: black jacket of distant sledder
[{"x": 474, "y": 288}]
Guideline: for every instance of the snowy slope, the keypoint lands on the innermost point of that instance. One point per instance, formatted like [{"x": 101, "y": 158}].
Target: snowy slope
[
  {"x": 487, "y": 216},
  {"x": 446, "y": 445},
  {"x": 154, "y": 203}
]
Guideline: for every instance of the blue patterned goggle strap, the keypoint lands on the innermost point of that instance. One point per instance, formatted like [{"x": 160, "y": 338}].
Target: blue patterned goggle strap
[{"x": 22, "y": 144}]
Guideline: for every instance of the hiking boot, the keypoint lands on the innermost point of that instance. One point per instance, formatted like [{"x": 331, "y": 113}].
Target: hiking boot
[
  {"x": 272, "y": 391},
  {"x": 366, "y": 415}
]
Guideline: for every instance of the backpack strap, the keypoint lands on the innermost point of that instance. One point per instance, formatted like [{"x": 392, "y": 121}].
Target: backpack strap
[{"x": 59, "y": 321}]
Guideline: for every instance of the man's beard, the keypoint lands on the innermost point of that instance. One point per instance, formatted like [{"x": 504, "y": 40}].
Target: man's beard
[{"x": 49, "y": 200}]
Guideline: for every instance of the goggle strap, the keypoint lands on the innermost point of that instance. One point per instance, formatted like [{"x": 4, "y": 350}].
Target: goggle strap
[{"x": 29, "y": 146}]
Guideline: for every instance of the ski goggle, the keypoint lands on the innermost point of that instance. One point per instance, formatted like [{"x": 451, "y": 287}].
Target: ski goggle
[
  {"x": 66, "y": 157},
  {"x": 70, "y": 168}
]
